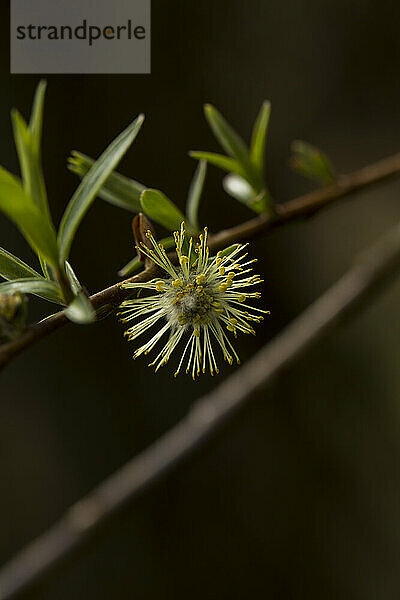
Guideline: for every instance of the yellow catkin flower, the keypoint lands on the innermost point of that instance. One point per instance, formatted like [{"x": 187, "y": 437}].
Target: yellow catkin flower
[{"x": 201, "y": 300}]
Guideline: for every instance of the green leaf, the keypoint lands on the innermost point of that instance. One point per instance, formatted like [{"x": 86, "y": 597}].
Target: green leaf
[
  {"x": 225, "y": 252},
  {"x": 262, "y": 203},
  {"x": 31, "y": 171},
  {"x": 91, "y": 184},
  {"x": 118, "y": 190},
  {"x": 135, "y": 264},
  {"x": 195, "y": 192},
  {"x": 35, "y": 128},
  {"x": 36, "y": 122},
  {"x": 232, "y": 143},
  {"x": 218, "y": 160},
  {"x": 161, "y": 210},
  {"x": 238, "y": 188},
  {"x": 72, "y": 278},
  {"x": 229, "y": 250},
  {"x": 23, "y": 145},
  {"x": 12, "y": 267},
  {"x": 80, "y": 310},
  {"x": 20, "y": 208},
  {"x": 312, "y": 163},
  {"x": 27, "y": 141},
  {"x": 33, "y": 285},
  {"x": 226, "y": 135},
  {"x": 258, "y": 141}
]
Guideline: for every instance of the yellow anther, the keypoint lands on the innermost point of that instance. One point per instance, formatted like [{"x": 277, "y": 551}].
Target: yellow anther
[
  {"x": 241, "y": 298},
  {"x": 230, "y": 328},
  {"x": 200, "y": 289},
  {"x": 197, "y": 332},
  {"x": 222, "y": 270},
  {"x": 177, "y": 283},
  {"x": 216, "y": 304},
  {"x": 200, "y": 279},
  {"x": 218, "y": 261},
  {"x": 219, "y": 255},
  {"x": 223, "y": 287},
  {"x": 160, "y": 286},
  {"x": 233, "y": 321},
  {"x": 184, "y": 260}
]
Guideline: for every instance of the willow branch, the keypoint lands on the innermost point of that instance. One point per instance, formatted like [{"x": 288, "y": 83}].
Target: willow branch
[
  {"x": 302, "y": 207},
  {"x": 307, "y": 205},
  {"x": 208, "y": 415}
]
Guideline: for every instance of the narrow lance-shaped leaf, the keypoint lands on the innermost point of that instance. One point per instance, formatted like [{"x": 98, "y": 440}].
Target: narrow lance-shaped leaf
[
  {"x": 226, "y": 135},
  {"x": 80, "y": 310},
  {"x": 161, "y": 210},
  {"x": 258, "y": 141},
  {"x": 36, "y": 228},
  {"x": 239, "y": 188},
  {"x": 118, "y": 190},
  {"x": 35, "y": 127},
  {"x": 36, "y": 121},
  {"x": 12, "y": 267},
  {"x": 194, "y": 196},
  {"x": 30, "y": 169},
  {"x": 133, "y": 266},
  {"x": 72, "y": 278},
  {"x": 225, "y": 252},
  {"x": 311, "y": 162},
  {"x": 91, "y": 184},
  {"x": 232, "y": 143},
  {"x": 22, "y": 144},
  {"x": 48, "y": 290},
  {"x": 218, "y": 160},
  {"x": 28, "y": 142}
]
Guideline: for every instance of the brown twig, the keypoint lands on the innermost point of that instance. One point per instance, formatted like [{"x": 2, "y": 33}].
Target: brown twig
[
  {"x": 209, "y": 414},
  {"x": 307, "y": 205},
  {"x": 300, "y": 208}
]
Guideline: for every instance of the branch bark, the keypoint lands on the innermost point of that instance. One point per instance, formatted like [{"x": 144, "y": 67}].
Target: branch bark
[
  {"x": 208, "y": 415},
  {"x": 300, "y": 208}
]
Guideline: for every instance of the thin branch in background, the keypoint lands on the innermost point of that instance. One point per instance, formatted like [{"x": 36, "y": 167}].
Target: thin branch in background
[
  {"x": 208, "y": 415},
  {"x": 299, "y": 208}
]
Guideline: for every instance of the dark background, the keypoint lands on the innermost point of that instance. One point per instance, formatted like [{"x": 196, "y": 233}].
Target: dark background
[{"x": 300, "y": 497}]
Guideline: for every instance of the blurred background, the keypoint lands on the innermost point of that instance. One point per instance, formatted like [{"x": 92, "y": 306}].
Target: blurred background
[{"x": 300, "y": 497}]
